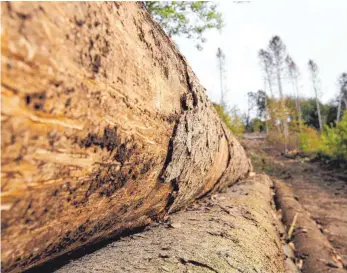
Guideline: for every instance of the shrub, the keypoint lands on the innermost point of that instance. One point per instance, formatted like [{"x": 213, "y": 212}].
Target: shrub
[
  {"x": 335, "y": 140},
  {"x": 257, "y": 125},
  {"x": 309, "y": 140},
  {"x": 232, "y": 119}
]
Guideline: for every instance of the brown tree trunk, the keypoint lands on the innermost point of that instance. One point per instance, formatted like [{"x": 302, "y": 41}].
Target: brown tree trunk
[
  {"x": 231, "y": 232},
  {"x": 105, "y": 128}
]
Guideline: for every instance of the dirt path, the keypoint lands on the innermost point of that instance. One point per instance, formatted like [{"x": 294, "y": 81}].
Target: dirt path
[
  {"x": 324, "y": 195},
  {"x": 320, "y": 191}
]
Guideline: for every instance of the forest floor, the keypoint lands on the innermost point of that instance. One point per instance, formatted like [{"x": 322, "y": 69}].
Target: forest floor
[{"x": 320, "y": 189}]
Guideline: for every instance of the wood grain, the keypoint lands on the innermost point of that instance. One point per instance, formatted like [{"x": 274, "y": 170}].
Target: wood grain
[{"x": 105, "y": 128}]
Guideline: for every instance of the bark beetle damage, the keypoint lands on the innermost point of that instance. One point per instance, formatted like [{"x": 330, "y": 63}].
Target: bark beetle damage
[
  {"x": 107, "y": 180},
  {"x": 96, "y": 48},
  {"x": 82, "y": 233},
  {"x": 110, "y": 140},
  {"x": 36, "y": 100},
  {"x": 118, "y": 178},
  {"x": 111, "y": 177}
]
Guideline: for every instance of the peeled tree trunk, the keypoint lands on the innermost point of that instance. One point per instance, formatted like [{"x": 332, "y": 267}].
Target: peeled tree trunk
[{"x": 105, "y": 128}]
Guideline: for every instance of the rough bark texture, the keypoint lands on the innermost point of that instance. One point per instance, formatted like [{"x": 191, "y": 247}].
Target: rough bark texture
[
  {"x": 311, "y": 245},
  {"x": 104, "y": 128},
  {"x": 231, "y": 232}
]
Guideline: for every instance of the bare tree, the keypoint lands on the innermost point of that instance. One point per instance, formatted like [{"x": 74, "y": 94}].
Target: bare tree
[
  {"x": 266, "y": 63},
  {"x": 294, "y": 75},
  {"x": 221, "y": 65},
  {"x": 343, "y": 95},
  {"x": 313, "y": 68},
  {"x": 277, "y": 50}
]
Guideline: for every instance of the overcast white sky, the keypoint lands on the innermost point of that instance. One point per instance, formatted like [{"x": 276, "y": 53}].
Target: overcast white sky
[{"x": 315, "y": 29}]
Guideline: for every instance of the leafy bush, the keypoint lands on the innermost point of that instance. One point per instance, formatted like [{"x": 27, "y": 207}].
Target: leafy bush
[
  {"x": 335, "y": 140},
  {"x": 257, "y": 125},
  {"x": 232, "y": 119},
  {"x": 309, "y": 140}
]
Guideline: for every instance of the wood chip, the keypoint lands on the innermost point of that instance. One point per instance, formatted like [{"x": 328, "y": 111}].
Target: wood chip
[{"x": 175, "y": 225}]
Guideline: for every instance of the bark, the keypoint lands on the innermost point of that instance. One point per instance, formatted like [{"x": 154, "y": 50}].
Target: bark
[
  {"x": 231, "y": 232},
  {"x": 105, "y": 128}
]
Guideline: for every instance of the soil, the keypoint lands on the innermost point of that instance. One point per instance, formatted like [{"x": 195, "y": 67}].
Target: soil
[{"x": 319, "y": 189}]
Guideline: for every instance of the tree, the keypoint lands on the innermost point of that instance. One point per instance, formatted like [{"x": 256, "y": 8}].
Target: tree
[
  {"x": 343, "y": 95},
  {"x": 202, "y": 239},
  {"x": 335, "y": 140},
  {"x": 257, "y": 100},
  {"x": 261, "y": 103},
  {"x": 231, "y": 118},
  {"x": 190, "y": 19},
  {"x": 277, "y": 50},
  {"x": 221, "y": 66},
  {"x": 313, "y": 69},
  {"x": 252, "y": 103},
  {"x": 310, "y": 113},
  {"x": 257, "y": 125},
  {"x": 82, "y": 160},
  {"x": 294, "y": 74},
  {"x": 266, "y": 62},
  {"x": 331, "y": 114}
]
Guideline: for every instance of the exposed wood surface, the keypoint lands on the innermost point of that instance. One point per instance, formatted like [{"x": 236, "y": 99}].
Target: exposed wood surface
[
  {"x": 230, "y": 232},
  {"x": 105, "y": 128}
]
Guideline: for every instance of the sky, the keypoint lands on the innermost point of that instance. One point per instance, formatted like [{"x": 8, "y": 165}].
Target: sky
[{"x": 311, "y": 29}]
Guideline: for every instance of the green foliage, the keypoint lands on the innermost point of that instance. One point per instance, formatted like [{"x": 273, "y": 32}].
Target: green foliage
[
  {"x": 190, "y": 19},
  {"x": 331, "y": 115},
  {"x": 310, "y": 113},
  {"x": 332, "y": 143},
  {"x": 335, "y": 140},
  {"x": 261, "y": 164},
  {"x": 232, "y": 119},
  {"x": 257, "y": 125},
  {"x": 310, "y": 140}
]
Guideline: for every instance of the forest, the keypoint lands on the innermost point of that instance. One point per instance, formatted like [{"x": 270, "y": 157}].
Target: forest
[{"x": 293, "y": 123}]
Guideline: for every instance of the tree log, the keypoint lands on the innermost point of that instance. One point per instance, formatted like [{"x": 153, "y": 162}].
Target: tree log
[
  {"x": 105, "y": 128},
  {"x": 311, "y": 245},
  {"x": 234, "y": 231}
]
